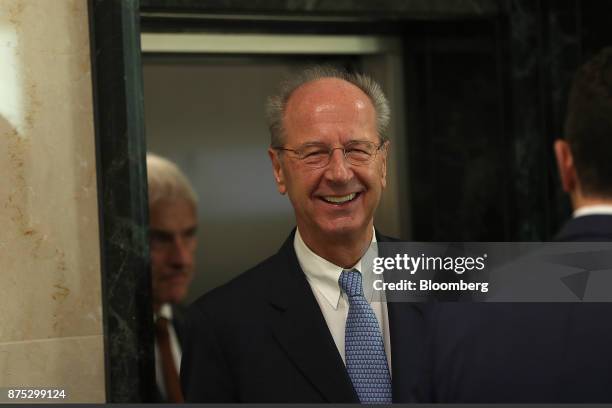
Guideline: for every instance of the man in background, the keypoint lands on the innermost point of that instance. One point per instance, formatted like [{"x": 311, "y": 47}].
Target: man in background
[
  {"x": 584, "y": 157},
  {"x": 541, "y": 352},
  {"x": 304, "y": 325},
  {"x": 172, "y": 228}
]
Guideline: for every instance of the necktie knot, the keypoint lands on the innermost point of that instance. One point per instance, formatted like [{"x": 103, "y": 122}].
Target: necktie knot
[{"x": 350, "y": 282}]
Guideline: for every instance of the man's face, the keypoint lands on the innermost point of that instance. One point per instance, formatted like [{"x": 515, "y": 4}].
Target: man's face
[
  {"x": 333, "y": 112},
  {"x": 173, "y": 225}
]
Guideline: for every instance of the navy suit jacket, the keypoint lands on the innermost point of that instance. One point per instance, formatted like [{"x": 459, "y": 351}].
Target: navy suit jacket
[
  {"x": 523, "y": 352},
  {"x": 262, "y": 338}
]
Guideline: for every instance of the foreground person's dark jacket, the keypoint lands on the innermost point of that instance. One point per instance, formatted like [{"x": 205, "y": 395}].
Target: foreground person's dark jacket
[{"x": 517, "y": 352}]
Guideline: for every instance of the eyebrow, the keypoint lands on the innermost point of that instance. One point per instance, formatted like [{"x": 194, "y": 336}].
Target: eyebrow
[
  {"x": 166, "y": 234},
  {"x": 326, "y": 144}
]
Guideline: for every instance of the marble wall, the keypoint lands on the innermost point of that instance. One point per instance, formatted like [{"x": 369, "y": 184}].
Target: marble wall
[{"x": 51, "y": 331}]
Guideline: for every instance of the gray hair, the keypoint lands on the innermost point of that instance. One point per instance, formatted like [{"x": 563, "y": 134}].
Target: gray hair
[
  {"x": 167, "y": 181},
  {"x": 275, "y": 108}
]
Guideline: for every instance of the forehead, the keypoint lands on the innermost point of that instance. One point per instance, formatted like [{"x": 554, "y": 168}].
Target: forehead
[
  {"x": 328, "y": 105},
  {"x": 172, "y": 214}
]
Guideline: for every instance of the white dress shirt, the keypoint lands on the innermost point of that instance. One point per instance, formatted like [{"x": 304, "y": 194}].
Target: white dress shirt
[
  {"x": 600, "y": 209},
  {"x": 165, "y": 310},
  {"x": 323, "y": 276}
]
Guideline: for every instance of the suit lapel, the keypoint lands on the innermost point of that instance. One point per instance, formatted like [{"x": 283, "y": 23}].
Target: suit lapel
[
  {"x": 178, "y": 321},
  {"x": 301, "y": 330},
  {"x": 407, "y": 333}
]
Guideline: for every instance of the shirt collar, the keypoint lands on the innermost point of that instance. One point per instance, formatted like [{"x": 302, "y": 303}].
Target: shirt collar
[
  {"x": 165, "y": 310},
  {"x": 323, "y": 275},
  {"x": 602, "y": 209}
]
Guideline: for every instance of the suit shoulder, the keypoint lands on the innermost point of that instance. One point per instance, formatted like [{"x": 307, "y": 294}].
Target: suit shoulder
[
  {"x": 248, "y": 284},
  {"x": 384, "y": 238}
]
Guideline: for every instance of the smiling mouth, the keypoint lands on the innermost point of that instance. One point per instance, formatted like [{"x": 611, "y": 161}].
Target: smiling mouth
[{"x": 340, "y": 199}]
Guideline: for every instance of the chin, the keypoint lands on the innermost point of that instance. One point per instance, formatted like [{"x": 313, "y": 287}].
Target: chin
[
  {"x": 179, "y": 297},
  {"x": 176, "y": 296},
  {"x": 342, "y": 228}
]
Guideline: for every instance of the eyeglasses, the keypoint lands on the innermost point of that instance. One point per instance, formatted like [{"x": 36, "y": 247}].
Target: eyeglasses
[{"x": 318, "y": 155}]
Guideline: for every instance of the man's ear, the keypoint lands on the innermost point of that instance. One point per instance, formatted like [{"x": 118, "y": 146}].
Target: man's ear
[
  {"x": 383, "y": 153},
  {"x": 565, "y": 164},
  {"x": 279, "y": 175}
]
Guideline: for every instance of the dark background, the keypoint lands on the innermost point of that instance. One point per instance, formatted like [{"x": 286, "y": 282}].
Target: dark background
[{"x": 491, "y": 82}]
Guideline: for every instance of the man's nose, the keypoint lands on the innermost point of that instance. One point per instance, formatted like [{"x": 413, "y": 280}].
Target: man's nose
[
  {"x": 338, "y": 170},
  {"x": 181, "y": 254}
]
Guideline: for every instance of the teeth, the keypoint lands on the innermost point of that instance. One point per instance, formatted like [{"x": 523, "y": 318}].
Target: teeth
[{"x": 339, "y": 200}]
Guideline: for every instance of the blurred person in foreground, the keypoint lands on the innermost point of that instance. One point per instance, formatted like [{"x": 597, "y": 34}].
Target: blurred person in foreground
[
  {"x": 302, "y": 326},
  {"x": 172, "y": 228},
  {"x": 584, "y": 157},
  {"x": 541, "y": 352}
]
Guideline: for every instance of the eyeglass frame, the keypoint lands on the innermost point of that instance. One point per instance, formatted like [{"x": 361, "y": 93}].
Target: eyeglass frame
[{"x": 330, "y": 152}]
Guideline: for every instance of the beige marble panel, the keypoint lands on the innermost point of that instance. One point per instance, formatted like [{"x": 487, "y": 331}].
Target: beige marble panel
[
  {"x": 49, "y": 242},
  {"x": 75, "y": 364}
]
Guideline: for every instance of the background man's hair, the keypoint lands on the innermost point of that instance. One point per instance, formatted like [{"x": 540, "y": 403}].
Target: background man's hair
[
  {"x": 588, "y": 127},
  {"x": 167, "y": 181},
  {"x": 275, "y": 108}
]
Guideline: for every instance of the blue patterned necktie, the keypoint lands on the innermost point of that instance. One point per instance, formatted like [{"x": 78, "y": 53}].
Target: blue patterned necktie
[{"x": 366, "y": 361}]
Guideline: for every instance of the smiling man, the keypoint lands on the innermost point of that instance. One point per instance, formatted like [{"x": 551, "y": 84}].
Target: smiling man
[
  {"x": 302, "y": 326},
  {"x": 172, "y": 229}
]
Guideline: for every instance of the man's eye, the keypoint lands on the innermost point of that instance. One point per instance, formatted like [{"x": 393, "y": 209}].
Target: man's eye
[
  {"x": 358, "y": 153},
  {"x": 314, "y": 153},
  {"x": 356, "y": 150},
  {"x": 191, "y": 233},
  {"x": 160, "y": 238}
]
